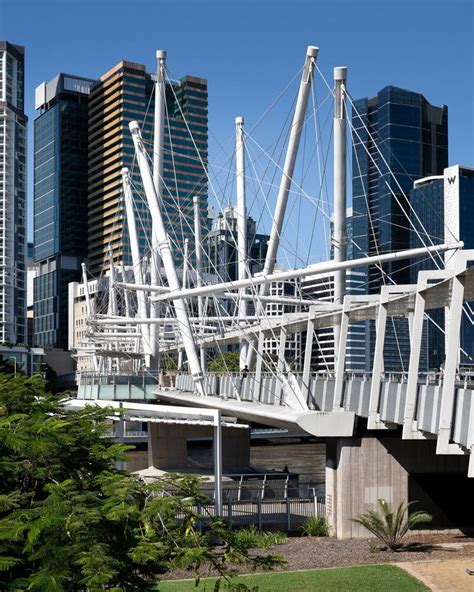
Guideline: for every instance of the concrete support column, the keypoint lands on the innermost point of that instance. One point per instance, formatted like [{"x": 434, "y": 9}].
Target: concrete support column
[
  {"x": 307, "y": 359},
  {"x": 359, "y": 471},
  {"x": 167, "y": 445}
]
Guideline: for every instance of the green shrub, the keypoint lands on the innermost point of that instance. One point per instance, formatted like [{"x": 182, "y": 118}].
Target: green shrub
[
  {"x": 390, "y": 527},
  {"x": 251, "y": 538},
  {"x": 316, "y": 526}
]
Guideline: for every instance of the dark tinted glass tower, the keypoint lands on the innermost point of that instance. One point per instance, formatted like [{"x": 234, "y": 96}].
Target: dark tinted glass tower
[
  {"x": 401, "y": 131},
  {"x": 444, "y": 208},
  {"x": 60, "y": 202},
  {"x": 222, "y": 246},
  {"x": 427, "y": 217}
]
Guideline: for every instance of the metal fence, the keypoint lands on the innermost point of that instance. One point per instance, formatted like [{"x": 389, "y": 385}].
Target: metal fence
[
  {"x": 266, "y": 486},
  {"x": 284, "y": 515}
]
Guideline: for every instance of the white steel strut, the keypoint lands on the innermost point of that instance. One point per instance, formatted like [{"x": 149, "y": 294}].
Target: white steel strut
[
  {"x": 282, "y": 276},
  {"x": 288, "y": 170},
  {"x": 199, "y": 262},
  {"x": 167, "y": 257},
  {"x": 158, "y": 159},
  {"x": 241, "y": 225},
  {"x": 88, "y": 308},
  {"x": 340, "y": 188},
  {"x": 135, "y": 250}
]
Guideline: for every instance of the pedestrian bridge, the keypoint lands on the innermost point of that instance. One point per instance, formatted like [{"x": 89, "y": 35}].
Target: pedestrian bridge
[
  {"x": 395, "y": 402},
  {"x": 427, "y": 407}
]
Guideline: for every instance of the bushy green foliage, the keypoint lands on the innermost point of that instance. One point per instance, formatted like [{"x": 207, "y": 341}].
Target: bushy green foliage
[
  {"x": 71, "y": 522},
  {"x": 317, "y": 526},
  {"x": 390, "y": 527},
  {"x": 225, "y": 362},
  {"x": 251, "y": 538}
]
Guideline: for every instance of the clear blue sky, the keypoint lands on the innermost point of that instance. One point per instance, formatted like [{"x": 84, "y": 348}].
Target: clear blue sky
[{"x": 249, "y": 49}]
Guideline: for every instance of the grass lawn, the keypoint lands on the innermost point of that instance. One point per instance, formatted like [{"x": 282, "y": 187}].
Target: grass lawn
[{"x": 371, "y": 578}]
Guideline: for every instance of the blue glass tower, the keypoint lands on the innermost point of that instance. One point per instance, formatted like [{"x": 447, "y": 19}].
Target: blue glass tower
[
  {"x": 60, "y": 202},
  {"x": 396, "y": 131},
  {"x": 443, "y": 210}
]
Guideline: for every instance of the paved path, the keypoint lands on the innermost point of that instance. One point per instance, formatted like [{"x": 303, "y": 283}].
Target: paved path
[{"x": 442, "y": 575}]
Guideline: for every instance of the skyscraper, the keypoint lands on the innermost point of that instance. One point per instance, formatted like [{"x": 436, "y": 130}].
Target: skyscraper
[
  {"x": 443, "y": 210},
  {"x": 60, "y": 202},
  {"x": 123, "y": 94},
  {"x": 13, "y": 122},
  {"x": 221, "y": 246},
  {"x": 400, "y": 132}
]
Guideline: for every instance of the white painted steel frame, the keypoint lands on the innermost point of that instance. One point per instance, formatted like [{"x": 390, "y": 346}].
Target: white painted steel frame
[
  {"x": 287, "y": 172},
  {"x": 184, "y": 326},
  {"x": 281, "y": 276}
]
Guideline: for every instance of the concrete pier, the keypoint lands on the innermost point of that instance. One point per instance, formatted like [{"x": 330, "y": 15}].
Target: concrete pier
[
  {"x": 359, "y": 471},
  {"x": 167, "y": 445}
]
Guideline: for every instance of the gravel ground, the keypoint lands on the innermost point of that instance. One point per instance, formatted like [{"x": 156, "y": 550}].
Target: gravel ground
[
  {"x": 443, "y": 576},
  {"x": 313, "y": 553}
]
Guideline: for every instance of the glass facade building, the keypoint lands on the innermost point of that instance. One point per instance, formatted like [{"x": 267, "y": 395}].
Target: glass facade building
[
  {"x": 123, "y": 94},
  {"x": 13, "y": 136},
  {"x": 443, "y": 210},
  {"x": 60, "y": 202},
  {"x": 400, "y": 132},
  {"x": 221, "y": 246}
]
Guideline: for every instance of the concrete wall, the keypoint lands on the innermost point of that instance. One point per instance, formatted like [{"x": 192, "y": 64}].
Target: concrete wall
[
  {"x": 361, "y": 470},
  {"x": 167, "y": 445}
]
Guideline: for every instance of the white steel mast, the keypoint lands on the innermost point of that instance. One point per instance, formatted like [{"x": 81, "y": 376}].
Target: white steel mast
[
  {"x": 340, "y": 190},
  {"x": 241, "y": 226},
  {"x": 199, "y": 268},
  {"x": 158, "y": 159},
  {"x": 167, "y": 257},
  {"x": 88, "y": 308},
  {"x": 135, "y": 250},
  {"x": 288, "y": 170}
]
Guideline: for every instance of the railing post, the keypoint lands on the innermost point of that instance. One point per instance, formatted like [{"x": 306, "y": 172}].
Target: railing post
[
  {"x": 199, "y": 511},
  {"x": 288, "y": 515},
  {"x": 377, "y": 368},
  {"x": 229, "y": 511},
  {"x": 340, "y": 364},
  {"x": 453, "y": 326},
  {"x": 281, "y": 360},
  {"x": 259, "y": 514},
  {"x": 305, "y": 390},
  {"x": 258, "y": 369},
  {"x": 414, "y": 365}
]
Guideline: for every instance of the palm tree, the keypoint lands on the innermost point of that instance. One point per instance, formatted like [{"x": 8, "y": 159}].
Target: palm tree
[{"x": 390, "y": 527}]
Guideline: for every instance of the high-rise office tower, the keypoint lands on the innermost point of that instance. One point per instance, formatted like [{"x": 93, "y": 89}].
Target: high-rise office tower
[
  {"x": 13, "y": 122},
  {"x": 443, "y": 210},
  {"x": 123, "y": 94},
  {"x": 400, "y": 132},
  {"x": 221, "y": 246},
  {"x": 60, "y": 202}
]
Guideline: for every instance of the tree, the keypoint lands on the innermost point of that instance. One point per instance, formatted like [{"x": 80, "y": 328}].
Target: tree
[
  {"x": 8, "y": 366},
  {"x": 71, "y": 522},
  {"x": 390, "y": 527},
  {"x": 225, "y": 362}
]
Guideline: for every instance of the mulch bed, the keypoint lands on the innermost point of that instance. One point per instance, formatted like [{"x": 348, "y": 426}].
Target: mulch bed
[{"x": 314, "y": 553}]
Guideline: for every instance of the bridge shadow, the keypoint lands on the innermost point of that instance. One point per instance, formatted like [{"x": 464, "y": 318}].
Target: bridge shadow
[{"x": 438, "y": 483}]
